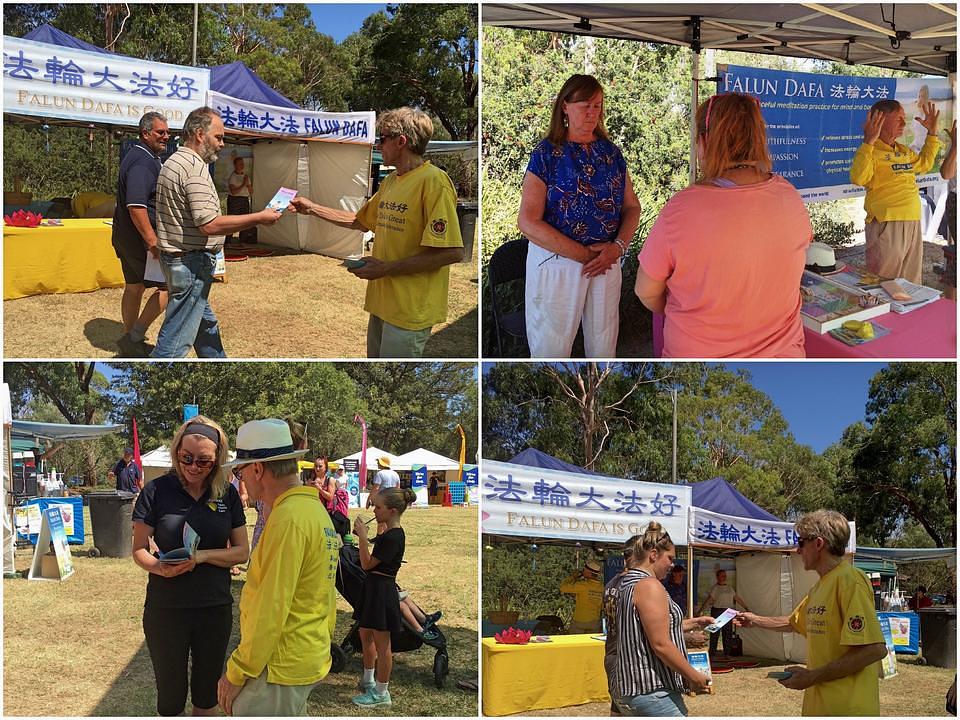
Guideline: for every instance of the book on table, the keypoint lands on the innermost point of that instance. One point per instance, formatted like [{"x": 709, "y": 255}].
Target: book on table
[
  {"x": 920, "y": 295},
  {"x": 827, "y": 305}
]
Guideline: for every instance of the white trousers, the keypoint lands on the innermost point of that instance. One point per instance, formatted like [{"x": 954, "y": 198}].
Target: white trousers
[{"x": 558, "y": 298}]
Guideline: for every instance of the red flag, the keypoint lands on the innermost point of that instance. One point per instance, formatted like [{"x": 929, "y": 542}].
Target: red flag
[
  {"x": 363, "y": 451},
  {"x": 136, "y": 448}
]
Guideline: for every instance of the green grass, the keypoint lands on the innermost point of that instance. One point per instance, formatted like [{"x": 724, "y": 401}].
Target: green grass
[{"x": 76, "y": 647}]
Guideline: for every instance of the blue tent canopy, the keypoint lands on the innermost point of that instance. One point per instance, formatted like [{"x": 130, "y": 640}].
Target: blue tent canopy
[
  {"x": 50, "y": 35},
  {"x": 234, "y": 79},
  {"x": 237, "y": 80},
  {"x": 715, "y": 495}
]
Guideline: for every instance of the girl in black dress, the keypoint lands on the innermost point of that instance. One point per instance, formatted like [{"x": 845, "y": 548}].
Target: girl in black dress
[{"x": 379, "y": 609}]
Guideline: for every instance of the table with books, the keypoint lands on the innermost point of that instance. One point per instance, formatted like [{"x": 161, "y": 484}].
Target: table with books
[
  {"x": 76, "y": 256},
  {"x": 905, "y": 320},
  {"x": 566, "y": 670},
  {"x": 923, "y": 326}
]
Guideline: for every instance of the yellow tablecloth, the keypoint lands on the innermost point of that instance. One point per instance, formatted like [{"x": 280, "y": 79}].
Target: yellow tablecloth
[
  {"x": 537, "y": 676},
  {"x": 77, "y": 257}
]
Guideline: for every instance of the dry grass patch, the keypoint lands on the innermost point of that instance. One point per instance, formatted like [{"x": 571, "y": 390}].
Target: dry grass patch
[
  {"x": 77, "y": 648},
  {"x": 915, "y": 691},
  {"x": 287, "y": 305}
]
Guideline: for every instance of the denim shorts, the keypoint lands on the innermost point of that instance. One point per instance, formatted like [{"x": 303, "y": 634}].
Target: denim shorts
[{"x": 659, "y": 703}]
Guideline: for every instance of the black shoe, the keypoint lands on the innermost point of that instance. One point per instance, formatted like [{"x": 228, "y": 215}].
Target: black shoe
[
  {"x": 431, "y": 619},
  {"x": 132, "y": 348}
]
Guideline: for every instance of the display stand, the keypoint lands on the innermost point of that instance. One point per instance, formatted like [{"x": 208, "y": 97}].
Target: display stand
[{"x": 56, "y": 566}]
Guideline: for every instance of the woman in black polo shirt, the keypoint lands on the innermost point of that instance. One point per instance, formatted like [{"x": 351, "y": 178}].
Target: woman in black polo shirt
[{"x": 188, "y": 610}]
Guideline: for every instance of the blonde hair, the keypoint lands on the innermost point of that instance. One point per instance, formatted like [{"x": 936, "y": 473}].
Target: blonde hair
[
  {"x": 653, "y": 538},
  {"x": 732, "y": 131},
  {"x": 577, "y": 88},
  {"x": 216, "y": 480},
  {"x": 415, "y": 125},
  {"x": 829, "y": 525}
]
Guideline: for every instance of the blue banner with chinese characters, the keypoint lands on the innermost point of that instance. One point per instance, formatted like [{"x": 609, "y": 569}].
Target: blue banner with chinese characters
[
  {"x": 815, "y": 122},
  {"x": 63, "y": 82},
  {"x": 356, "y": 127},
  {"x": 536, "y": 502}
]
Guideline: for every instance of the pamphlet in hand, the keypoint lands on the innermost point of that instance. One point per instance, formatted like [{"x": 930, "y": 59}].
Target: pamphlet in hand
[
  {"x": 152, "y": 270},
  {"x": 190, "y": 542},
  {"x": 725, "y": 617},
  {"x": 282, "y": 199},
  {"x": 700, "y": 661}
]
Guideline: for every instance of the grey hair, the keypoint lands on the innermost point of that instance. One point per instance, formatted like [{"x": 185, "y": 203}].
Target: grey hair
[
  {"x": 199, "y": 119},
  {"x": 282, "y": 468},
  {"x": 147, "y": 121}
]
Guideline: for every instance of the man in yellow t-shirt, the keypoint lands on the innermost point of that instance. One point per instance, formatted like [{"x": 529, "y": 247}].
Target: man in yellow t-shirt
[
  {"x": 844, "y": 642},
  {"x": 416, "y": 237},
  {"x": 888, "y": 170},
  {"x": 587, "y": 589}
]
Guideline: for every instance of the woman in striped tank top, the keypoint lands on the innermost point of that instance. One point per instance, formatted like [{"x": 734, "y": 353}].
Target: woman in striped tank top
[{"x": 652, "y": 671}]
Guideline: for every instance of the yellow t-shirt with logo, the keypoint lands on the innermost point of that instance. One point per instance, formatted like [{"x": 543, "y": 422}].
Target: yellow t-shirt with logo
[
  {"x": 890, "y": 176},
  {"x": 588, "y": 596},
  {"x": 838, "y": 612},
  {"x": 408, "y": 213}
]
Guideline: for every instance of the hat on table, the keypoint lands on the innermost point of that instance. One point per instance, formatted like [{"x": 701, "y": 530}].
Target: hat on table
[
  {"x": 820, "y": 258},
  {"x": 263, "y": 441}
]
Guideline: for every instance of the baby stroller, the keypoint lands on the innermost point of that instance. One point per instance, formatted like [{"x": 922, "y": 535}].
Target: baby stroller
[{"x": 350, "y": 576}]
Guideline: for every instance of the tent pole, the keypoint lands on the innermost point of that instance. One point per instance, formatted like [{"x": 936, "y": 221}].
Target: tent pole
[
  {"x": 689, "y": 579},
  {"x": 196, "y": 7},
  {"x": 694, "y": 93}
]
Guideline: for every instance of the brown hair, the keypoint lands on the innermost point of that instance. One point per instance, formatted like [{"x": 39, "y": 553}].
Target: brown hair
[
  {"x": 577, "y": 88},
  {"x": 653, "y": 538},
  {"x": 732, "y": 131},
  {"x": 398, "y": 499},
  {"x": 886, "y": 106},
  {"x": 216, "y": 480}
]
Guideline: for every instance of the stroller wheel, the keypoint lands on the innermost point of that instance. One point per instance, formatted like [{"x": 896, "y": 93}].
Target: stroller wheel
[
  {"x": 338, "y": 658},
  {"x": 441, "y": 668}
]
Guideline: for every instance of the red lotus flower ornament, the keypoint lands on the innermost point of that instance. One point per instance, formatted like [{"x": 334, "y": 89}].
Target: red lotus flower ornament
[
  {"x": 512, "y": 636},
  {"x": 22, "y": 218}
]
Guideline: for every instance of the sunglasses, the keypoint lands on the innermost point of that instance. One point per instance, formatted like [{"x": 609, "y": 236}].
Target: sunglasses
[
  {"x": 801, "y": 541},
  {"x": 202, "y": 463},
  {"x": 706, "y": 121},
  {"x": 383, "y": 138}
]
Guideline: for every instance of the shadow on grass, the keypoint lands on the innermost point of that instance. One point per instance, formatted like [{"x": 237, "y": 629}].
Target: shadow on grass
[
  {"x": 103, "y": 333},
  {"x": 456, "y": 340}
]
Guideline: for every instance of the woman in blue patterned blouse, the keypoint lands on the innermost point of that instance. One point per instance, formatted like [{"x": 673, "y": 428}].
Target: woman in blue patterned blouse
[{"x": 579, "y": 212}]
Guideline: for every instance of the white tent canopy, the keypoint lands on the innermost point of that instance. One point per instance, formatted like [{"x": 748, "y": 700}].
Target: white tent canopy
[
  {"x": 422, "y": 456},
  {"x": 373, "y": 453}
]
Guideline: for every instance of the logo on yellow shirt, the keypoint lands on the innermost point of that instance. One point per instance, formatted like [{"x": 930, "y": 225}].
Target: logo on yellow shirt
[
  {"x": 438, "y": 227},
  {"x": 855, "y": 623}
]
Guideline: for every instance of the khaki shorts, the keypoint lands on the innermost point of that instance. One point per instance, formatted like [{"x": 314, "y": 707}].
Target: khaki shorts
[
  {"x": 895, "y": 249},
  {"x": 389, "y": 341},
  {"x": 259, "y": 698}
]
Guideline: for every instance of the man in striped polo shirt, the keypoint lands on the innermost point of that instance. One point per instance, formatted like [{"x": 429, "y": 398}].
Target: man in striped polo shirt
[{"x": 190, "y": 233}]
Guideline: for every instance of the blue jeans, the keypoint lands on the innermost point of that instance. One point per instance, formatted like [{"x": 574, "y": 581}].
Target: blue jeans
[
  {"x": 189, "y": 319},
  {"x": 659, "y": 703}
]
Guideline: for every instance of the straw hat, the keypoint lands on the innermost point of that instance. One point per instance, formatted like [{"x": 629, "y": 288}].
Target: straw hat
[
  {"x": 263, "y": 441},
  {"x": 383, "y": 461}
]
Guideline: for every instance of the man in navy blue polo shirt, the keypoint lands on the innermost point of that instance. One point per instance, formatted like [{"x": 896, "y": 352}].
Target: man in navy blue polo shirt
[
  {"x": 128, "y": 479},
  {"x": 134, "y": 233}
]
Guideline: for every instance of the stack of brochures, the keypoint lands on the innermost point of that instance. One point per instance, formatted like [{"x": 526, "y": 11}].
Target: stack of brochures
[{"x": 920, "y": 295}]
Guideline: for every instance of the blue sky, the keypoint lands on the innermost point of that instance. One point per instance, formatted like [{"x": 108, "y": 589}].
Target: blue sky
[
  {"x": 819, "y": 400},
  {"x": 340, "y": 20}
]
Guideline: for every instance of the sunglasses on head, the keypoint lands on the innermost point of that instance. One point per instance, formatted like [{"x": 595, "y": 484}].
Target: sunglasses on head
[{"x": 186, "y": 459}]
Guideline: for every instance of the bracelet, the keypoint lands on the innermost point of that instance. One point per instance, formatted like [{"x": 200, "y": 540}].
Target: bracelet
[{"x": 622, "y": 245}]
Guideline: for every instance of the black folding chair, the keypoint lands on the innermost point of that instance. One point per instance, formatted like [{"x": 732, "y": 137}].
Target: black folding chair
[{"x": 508, "y": 263}]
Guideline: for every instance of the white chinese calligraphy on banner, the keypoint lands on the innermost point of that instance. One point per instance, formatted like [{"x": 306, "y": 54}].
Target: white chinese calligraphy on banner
[
  {"x": 357, "y": 127},
  {"x": 533, "y": 502},
  {"x": 62, "y": 82}
]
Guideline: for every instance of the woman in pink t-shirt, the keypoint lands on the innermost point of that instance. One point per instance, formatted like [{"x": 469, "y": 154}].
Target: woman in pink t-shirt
[{"x": 724, "y": 258}]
